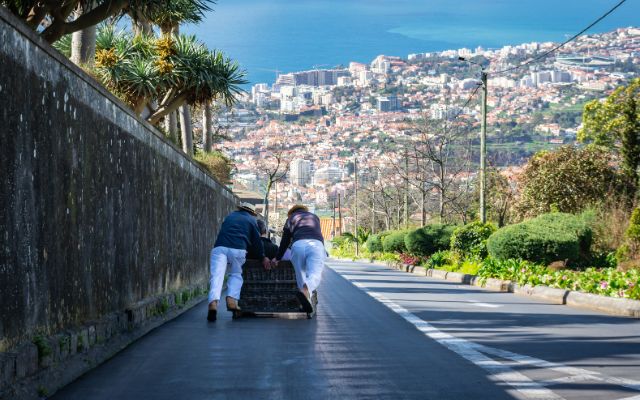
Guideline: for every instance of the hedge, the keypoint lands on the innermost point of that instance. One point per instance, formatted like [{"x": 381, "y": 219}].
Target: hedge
[
  {"x": 393, "y": 242},
  {"x": 429, "y": 239},
  {"x": 471, "y": 239},
  {"x": 374, "y": 244},
  {"x": 545, "y": 239}
]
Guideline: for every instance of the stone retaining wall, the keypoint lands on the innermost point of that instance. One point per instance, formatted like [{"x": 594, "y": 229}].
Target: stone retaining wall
[{"x": 98, "y": 212}]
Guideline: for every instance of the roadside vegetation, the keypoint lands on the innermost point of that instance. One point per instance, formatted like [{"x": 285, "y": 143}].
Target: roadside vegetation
[
  {"x": 136, "y": 51},
  {"x": 569, "y": 220}
]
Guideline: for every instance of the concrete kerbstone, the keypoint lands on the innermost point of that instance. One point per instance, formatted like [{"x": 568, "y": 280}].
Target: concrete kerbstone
[
  {"x": 439, "y": 274},
  {"x": 459, "y": 277},
  {"x": 612, "y": 305},
  {"x": 497, "y": 285},
  {"x": 552, "y": 295}
]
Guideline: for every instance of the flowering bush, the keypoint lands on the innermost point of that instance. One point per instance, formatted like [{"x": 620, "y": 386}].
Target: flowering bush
[
  {"x": 409, "y": 259},
  {"x": 602, "y": 281}
]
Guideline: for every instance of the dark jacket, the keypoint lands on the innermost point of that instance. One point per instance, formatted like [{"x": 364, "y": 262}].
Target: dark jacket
[
  {"x": 270, "y": 250},
  {"x": 240, "y": 231},
  {"x": 300, "y": 225}
]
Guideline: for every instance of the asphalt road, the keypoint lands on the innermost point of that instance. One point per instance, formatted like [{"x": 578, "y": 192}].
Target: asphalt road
[{"x": 382, "y": 334}]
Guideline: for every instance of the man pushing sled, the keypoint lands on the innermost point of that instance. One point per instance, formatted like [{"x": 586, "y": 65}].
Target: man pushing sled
[
  {"x": 302, "y": 231},
  {"x": 240, "y": 235}
]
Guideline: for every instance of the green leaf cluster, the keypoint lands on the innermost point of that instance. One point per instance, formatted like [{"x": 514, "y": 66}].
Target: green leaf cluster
[
  {"x": 548, "y": 238},
  {"x": 471, "y": 239},
  {"x": 429, "y": 239}
]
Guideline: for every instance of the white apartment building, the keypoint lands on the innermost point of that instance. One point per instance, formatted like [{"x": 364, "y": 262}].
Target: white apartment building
[
  {"x": 327, "y": 175},
  {"x": 300, "y": 172}
]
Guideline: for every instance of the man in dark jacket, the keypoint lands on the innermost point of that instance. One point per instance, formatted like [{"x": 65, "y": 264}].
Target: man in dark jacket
[
  {"x": 302, "y": 231},
  {"x": 238, "y": 234},
  {"x": 270, "y": 249}
]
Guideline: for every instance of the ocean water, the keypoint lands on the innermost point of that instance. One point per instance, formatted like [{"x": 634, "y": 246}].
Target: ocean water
[{"x": 271, "y": 36}]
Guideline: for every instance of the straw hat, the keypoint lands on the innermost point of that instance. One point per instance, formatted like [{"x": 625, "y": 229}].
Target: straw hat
[
  {"x": 297, "y": 207},
  {"x": 247, "y": 207}
]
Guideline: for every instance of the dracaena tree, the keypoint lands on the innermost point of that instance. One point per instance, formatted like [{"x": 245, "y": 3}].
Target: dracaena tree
[
  {"x": 55, "y": 18},
  {"x": 162, "y": 74}
]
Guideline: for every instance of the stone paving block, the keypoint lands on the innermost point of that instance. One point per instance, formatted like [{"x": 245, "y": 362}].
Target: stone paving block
[
  {"x": 100, "y": 332},
  {"x": 47, "y": 352},
  {"x": 83, "y": 340},
  {"x": 64, "y": 344},
  {"x": 26, "y": 360},
  {"x": 73, "y": 343},
  {"x": 92, "y": 334},
  {"x": 7, "y": 369}
]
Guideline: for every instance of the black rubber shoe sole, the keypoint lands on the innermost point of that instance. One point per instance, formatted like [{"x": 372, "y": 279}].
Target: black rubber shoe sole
[
  {"x": 305, "y": 302},
  {"x": 212, "y": 315}
]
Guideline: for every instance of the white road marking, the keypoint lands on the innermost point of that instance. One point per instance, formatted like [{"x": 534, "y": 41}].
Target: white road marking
[
  {"x": 481, "y": 304},
  {"x": 478, "y": 355},
  {"x": 572, "y": 371},
  {"x": 497, "y": 371}
]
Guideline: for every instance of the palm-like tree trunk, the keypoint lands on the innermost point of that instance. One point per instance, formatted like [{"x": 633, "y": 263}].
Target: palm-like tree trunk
[
  {"x": 172, "y": 126},
  {"x": 186, "y": 130},
  {"x": 206, "y": 128},
  {"x": 83, "y": 44},
  {"x": 183, "y": 112}
]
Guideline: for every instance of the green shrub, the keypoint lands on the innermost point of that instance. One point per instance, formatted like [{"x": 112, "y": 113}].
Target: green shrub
[
  {"x": 216, "y": 163},
  {"x": 438, "y": 260},
  {"x": 340, "y": 240},
  {"x": 429, "y": 239},
  {"x": 394, "y": 242},
  {"x": 545, "y": 239},
  {"x": 577, "y": 225},
  {"x": 633, "y": 231},
  {"x": 470, "y": 266},
  {"x": 374, "y": 244},
  {"x": 471, "y": 239},
  {"x": 631, "y": 247}
]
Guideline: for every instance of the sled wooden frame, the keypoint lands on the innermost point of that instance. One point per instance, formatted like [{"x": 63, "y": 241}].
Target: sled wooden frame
[{"x": 271, "y": 293}]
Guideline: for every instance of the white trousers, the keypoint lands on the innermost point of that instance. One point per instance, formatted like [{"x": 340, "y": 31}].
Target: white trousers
[
  {"x": 221, "y": 258},
  {"x": 307, "y": 257}
]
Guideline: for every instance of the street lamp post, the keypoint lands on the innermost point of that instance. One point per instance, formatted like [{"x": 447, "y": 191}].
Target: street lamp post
[
  {"x": 483, "y": 142},
  {"x": 355, "y": 172},
  {"x": 483, "y": 152}
]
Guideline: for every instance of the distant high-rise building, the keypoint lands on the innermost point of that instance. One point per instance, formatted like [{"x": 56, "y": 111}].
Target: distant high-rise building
[
  {"x": 388, "y": 103},
  {"x": 316, "y": 77},
  {"x": 300, "y": 171},
  {"x": 380, "y": 65}
]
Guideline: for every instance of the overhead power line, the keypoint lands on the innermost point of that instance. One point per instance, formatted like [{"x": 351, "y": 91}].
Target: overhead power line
[
  {"x": 556, "y": 48},
  {"x": 466, "y": 103}
]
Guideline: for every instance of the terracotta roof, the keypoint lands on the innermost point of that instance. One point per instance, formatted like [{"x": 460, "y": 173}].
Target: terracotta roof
[{"x": 326, "y": 226}]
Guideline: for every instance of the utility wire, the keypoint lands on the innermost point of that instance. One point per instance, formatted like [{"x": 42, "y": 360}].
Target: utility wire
[
  {"x": 466, "y": 103},
  {"x": 574, "y": 37}
]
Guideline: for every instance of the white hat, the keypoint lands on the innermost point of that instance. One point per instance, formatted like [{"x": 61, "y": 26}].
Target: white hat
[{"x": 247, "y": 207}]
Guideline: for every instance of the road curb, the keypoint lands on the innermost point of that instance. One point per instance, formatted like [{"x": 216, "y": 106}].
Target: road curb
[
  {"x": 552, "y": 295},
  {"x": 610, "y": 305}
]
